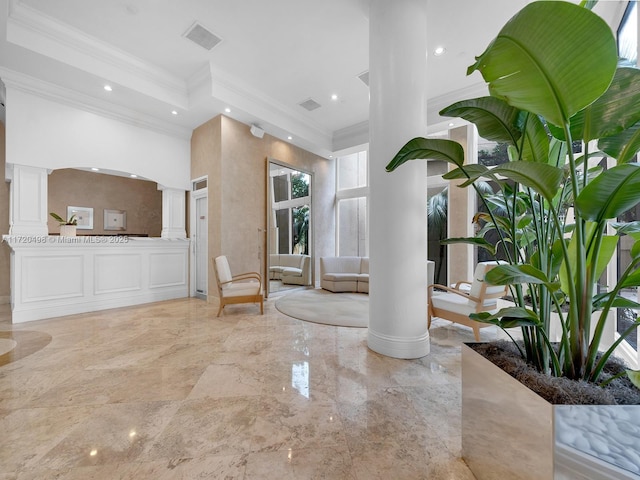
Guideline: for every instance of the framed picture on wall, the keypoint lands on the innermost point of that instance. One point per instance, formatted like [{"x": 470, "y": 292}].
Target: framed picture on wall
[
  {"x": 83, "y": 215},
  {"x": 115, "y": 220}
]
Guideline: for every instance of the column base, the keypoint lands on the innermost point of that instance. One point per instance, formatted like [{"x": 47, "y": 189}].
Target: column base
[{"x": 399, "y": 347}]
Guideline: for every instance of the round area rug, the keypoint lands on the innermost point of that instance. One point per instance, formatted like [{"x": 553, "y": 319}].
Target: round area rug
[{"x": 321, "y": 306}]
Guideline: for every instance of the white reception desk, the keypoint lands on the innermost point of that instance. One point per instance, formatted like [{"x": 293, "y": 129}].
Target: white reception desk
[{"x": 53, "y": 276}]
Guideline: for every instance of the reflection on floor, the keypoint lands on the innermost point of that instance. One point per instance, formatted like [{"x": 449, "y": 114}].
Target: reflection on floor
[
  {"x": 169, "y": 391},
  {"x": 276, "y": 286}
]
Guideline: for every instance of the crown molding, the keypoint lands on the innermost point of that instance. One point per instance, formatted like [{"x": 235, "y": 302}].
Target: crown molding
[
  {"x": 32, "y": 29},
  {"x": 237, "y": 93},
  {"x": 350, "y": 136},
  {"x": 67, "y": 97}
]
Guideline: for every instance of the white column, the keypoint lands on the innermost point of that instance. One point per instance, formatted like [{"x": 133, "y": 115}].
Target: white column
[
  {"x": 173, "y": 213},
  {"x": 398, "y": 200},
  {"x": 27, "y": 199}
]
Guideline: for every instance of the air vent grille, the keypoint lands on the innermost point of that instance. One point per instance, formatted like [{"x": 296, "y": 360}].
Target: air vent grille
[
  {"x": 364, "y": 76},
  {"x": 201, "y": 36},
  {"x": 310, "y": 104}
]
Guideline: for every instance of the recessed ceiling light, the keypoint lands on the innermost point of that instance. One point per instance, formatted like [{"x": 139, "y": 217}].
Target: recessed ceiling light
[
  {"x": 228, "y": 110},
  {"x": 108, "y": 88},
  {"x": 439, "y": 51},
  {"x": 174, "y": 112},
  {"x": 95, "y": 169},
  {"x": 133, "y": 176},
  {"x": 451, "y": 124},
  {"x": 334, "y": 97},
  {"x": 289, "y": 137}
]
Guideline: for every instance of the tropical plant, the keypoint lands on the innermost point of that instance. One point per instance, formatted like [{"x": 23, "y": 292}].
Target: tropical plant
[
  {"x": 554, "y": 211},
  {"x": 437, "y": 215},
  {"x": 71, "y": 221},
  {"x": 301, "y": 229},
  {"x": 437, "y": 219}
]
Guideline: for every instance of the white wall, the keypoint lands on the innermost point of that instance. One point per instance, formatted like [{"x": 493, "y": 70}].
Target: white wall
[{"x": 47, "y": 134}]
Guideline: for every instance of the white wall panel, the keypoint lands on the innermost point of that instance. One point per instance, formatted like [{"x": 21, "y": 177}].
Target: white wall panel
[
  {"x": 52, "y": 277},
  {"x": 117, "y": 273},
  {"x": 167, "y": 269}
]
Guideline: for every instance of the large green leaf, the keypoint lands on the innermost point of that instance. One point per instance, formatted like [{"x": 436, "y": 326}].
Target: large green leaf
[
  {"x": 615, "y": 111},
  {"x": 513, "y": 274},
  {"x": 541, "y": 177},
  {"x": 601, "y": 299},
  {"x": 634, "y": 376},
  {"x": 540, "y": 62},
  {"x": 471, "y": 173},
  {"x": 605, "y": 254},
  {"x": 428, "y": 148},
  {"x": 607, "y": 248},
  {"x": 536, "y": 142},
  {"x": 478, "y": 242},
  {"x": 633, "y": 280},
  {"x": 509, "y": 317},
  {"x": 611, "y": 193},
  {"x": 495, "y": 119},
  {"x": 626, "y": 228},
  {"x": 623, "y": 146}
]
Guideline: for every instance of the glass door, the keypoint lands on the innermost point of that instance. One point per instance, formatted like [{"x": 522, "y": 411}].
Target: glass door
[{"x": 289, "y": 225}]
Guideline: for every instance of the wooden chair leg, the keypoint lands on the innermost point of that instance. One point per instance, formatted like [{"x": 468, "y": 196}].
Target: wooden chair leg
[
  {"x": 261, "y": 306},
  {"x": 476, "y": 333},
  {"x": 221, "y": 307}
]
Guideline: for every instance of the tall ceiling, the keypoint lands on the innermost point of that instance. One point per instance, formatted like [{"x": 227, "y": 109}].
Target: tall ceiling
[{"x": 273, "y": 56}]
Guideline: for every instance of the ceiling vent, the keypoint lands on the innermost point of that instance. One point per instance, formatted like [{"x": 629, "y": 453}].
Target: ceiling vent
[
  {"x": 203, "y": 37},
  {"x": 310, "y": 104},
  {"x": 364, "y": 76}
]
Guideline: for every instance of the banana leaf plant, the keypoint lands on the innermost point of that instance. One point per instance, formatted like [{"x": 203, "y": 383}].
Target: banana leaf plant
[{"x": 554, "y": 210}]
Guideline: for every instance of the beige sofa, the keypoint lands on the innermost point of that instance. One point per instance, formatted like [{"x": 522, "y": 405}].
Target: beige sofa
[
  {"x": 344, "y": 274},
  {"x": 290, "y": 268}
]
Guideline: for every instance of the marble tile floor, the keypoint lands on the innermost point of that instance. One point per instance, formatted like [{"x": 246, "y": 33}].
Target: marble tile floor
[{"x": 169, "y": 391}]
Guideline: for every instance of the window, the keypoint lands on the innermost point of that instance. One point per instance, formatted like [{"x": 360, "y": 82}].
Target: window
[
  {"x": 351, "y": 197},
  {"x": 628, "y": 36},
  {"x": 491, "y": 154},
  {"x": 352, "y": 215},
  {"x": 352, "y": 171},
  {"x": 628, "y": 53},
  {"x": 290, "y": 210}
]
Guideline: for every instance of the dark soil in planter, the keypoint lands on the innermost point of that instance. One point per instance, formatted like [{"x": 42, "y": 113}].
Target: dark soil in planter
[{"x": 559, "y": 390}]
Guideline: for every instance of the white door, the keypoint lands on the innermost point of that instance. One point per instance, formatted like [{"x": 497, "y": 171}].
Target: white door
[{"x": 200, "y": 248}]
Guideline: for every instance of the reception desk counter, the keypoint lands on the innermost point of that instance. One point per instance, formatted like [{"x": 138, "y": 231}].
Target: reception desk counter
[{"x": 53, "y": 276}]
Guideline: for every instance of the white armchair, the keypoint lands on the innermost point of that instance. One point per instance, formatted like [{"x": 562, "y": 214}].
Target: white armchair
[
  {"x": 242, "y": 288},
  {"x": 456, "y": 303}
]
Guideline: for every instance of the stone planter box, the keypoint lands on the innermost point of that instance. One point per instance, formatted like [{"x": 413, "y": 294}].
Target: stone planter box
[{"x": 509, "y": 432}]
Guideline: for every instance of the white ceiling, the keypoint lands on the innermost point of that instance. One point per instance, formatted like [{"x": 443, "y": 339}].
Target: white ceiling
[{"x": 273, "y": 55}]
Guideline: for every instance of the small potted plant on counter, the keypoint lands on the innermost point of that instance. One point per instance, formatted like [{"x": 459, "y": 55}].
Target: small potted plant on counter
[{"x": 67, "y": 227}]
